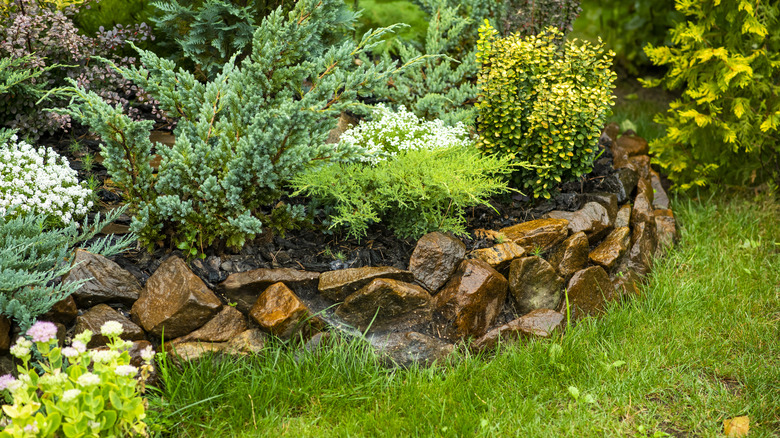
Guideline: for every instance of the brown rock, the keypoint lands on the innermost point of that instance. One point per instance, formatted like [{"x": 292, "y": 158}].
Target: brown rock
[
  {"x": 660, "y": 198},
  {"x": 642, "y": 212},
  {"x": 612, "y": 248},
  {"x": 540, "y": 233},
  {"x": 623, "y": 218},
  {"x": 384, "y": 303},
  {"x": 338, "y": 285},
  {"x": 534, "y": 284},
  {"x": 64, "y": 311},
  {"x": 621, "y": 183},
  {"x": 406, "y": 349},
  {"x": 641, "y": 165},
  {"x": 435, "y": 258},
  {"x": 627, "y": 284},
  {"x": 470, "y": 302},
  {"x": 175, "y": 301},
  {"x": 108, "y": 282},
  {"x": 95, "y": 317},
  {"x": 344, "y": 123},
  {"x": 632, "y": 145},
  {"x": 588, "y": 291},
  {"x": 646, "y": 188},
  {"x": 243, "y": 288},
  {"x": 592, "y": 219},
  {"x": 571, "y": 255},
  {"x": 189, "y": 351},
  {"x": 247, "y": 342},
  {"x": 226, "y": 325},
  {"x": 250, "y": 341},
  {"x": 612, "y": 130},
  {"x": 539, "y": 323},
  {"x": 666, "y": 231},
  {"x": 643, "y": 244},
  {"x": 499, "y": 256},
  {"x": 607, "y": 200},
  {"x": 5, "y": 333},
  {"x": 279, "y": 311}
]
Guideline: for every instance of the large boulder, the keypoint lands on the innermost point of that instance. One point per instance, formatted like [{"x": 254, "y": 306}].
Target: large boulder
[
  {"x": 243, "y": 288},
  {"x": 571, "y": 255},
  {"x": 100, "y": 314},
  {"x": 386, "y": 303},
  {"x": 534, "y": 284},
  {"x": 471, "y": 300},
  {"x": 593, "y": 219},
  {"x": 106, "y": 281},
  {"x": 338, "y": 285},
  {"x": 589, "y": 291},
  {"x": 609, "y": 251},
  {"x": 175, "y": 301},
  {"x": 280, "y": 312},
  {"x": 540, "y": 323},
  {"x": 539, "y": 234},
  {"x": 435, "y": 258}
]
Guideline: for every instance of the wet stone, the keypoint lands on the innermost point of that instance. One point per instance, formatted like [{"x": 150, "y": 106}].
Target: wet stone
[
  {"x": 174, "y": 301},
  {"x": 627, "y": 284},
  {"x": 571, "y": 255},
  {"x": 534, "y": 284},
  {"x": 228, "y": 323},
  {"x": 540, "y": 233},
  {"x": 386, "y": 303},
  {"x": 250, "y": 341},
  {"x": 666, "y": 231},
  {"x": 612, "y": 130},
  {"x": 643, "y": 245},
  {"x": 243, "y": 288},
  {"x": 642, "y": 211},
  {"x": 592, "y": 219},
  {"x": 609, "y": 251},
  {"x": 607, "y": 200},
  {"x": 338, "y": 285},
  {"x": 632, "y": 145},
  {"x": 499, "y": 256},
  {"x": 471, "y": 300},
  {"x": 280, "y": 312},
  {"x": 539, "y": 323},
  {"x": 435, "y": 258},
  {"x": 100, "y": 314},
  {"x": 623, "y": 218},
  {"x": 5, "y": 333},
  {"x": 589, "y": 290},
  {"x": 107, "y": 281},
  {"x": 63, "y": 311},
  {"x": 621, "y": 183},
  {"x": 406, "y": 349},
  {"x": 660, "y": 198}
]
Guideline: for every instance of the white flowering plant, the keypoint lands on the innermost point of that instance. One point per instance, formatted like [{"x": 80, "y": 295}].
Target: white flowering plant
[
  {"x": 39, "y": 181},
  {"x": 77, "y": 392}
]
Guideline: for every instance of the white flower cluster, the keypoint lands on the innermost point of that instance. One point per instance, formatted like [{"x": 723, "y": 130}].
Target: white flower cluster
[
  {"x": 392, "y": 132},
  {"x": 40, "y": 181}
]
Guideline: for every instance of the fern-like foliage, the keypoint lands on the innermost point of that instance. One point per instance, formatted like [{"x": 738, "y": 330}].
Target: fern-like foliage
[
  {"x": 32, "y": 257},
  {"x": 241, "y": 136}
]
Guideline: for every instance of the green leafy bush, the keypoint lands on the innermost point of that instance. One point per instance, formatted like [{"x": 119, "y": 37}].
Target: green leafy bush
[
  {"x": 543, "y": 104},
  {"x": 726, "y": 126},
  {"x": 76, "y": 393},
  {"x": 241, "y": 136},
  {"x": 420, "y": 177},
  {"x": 32, "y": 256}
]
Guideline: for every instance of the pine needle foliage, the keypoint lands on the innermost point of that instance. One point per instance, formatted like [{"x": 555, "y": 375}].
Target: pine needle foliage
[
  {"x": 241, "y": 136},
  {"x": 32, "y": 257},
  {"x": 726, "y": 126}
]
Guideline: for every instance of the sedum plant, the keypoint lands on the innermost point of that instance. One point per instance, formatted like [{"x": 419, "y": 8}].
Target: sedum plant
[
  {"x": 241, "y": 136},
  {"x": 76, "y": 393},
  {"x": 543, "y": 104},
  {"x": 39, "y": 181},
  {"x": 420, "y": 177},
  {"x": 726, "y": 125}
]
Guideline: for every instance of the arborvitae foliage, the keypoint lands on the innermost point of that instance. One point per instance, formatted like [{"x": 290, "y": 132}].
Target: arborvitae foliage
[
  {"x": 543, "y": 103},
  {"x": 32, "y": 257},
  {"x": 726, "y": 126},
  {"x": 241, "y": 136}
]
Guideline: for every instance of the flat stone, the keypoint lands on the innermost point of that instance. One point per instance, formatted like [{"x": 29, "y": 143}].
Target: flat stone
[
  {"x": 660, "y": 198},
  {"x": 540, "y": 323},
  {"x": 642, "y": 211},
  {"x": 406, "y": 349},
  {"x": 499, "y": 256},
  {"x": 540, "y": 233},
  {"x": 227, "y": 324},
  {"x": 607, "y": 200},
  {"x": 623, "y": 218},
  {"x": 338, "y": 285},
  {"x": 386, "y": 303},
  {"x": 190, "y": 351},
  {"x": 534, "y": 284},
  {"x": 100, "y": 314},
  {"x": 592, "y": 219},
  {"x": 609, "y": 251},
  {"x": 247, "y": 342},
  {"x": 175, "y": 301},
  {"x": 632, "y": 145},
  {"x": 571, "y": 255},
  {"x": 471, "y": 300},
  {"x": 643, "y": 245},
  {"x": 5, "y": 333},
  {"x": 666, "y": 230},
  {"x": 621, "y": 183},
  {"x": 435, "y": 258},
  {"x": 243, "y": 288},
  {"x": 280, "y": 312},
  {"x": 64, "y": 311},
  {"x": 589, "y": 290},
  {"x": 107, "y": 281}
]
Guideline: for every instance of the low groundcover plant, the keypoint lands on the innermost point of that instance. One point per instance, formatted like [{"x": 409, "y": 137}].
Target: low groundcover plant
[{"x": 79, "y": 393}]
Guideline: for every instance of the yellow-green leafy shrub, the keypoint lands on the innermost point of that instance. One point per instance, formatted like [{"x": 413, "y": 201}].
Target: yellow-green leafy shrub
[
  {"x": 726, "y": 125},
  {"x": 542, "y": 103}
]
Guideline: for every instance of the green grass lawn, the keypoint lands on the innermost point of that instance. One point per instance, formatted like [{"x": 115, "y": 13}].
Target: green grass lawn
[{"x": 700, "y": 346}]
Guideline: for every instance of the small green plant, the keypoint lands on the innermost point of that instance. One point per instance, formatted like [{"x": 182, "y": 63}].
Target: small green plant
[
  {"x": 76, "y": 392},
  {"x": 88, "y": 161},
  {"x": 543, "y": 104},
  {"x": 726, "y": 126}
]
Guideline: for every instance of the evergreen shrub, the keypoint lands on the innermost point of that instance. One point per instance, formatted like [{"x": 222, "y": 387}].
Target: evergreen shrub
[
  {"x": 419, "y": 177},
  {"x": 726, "y": 126},
  {"x": 542, "y": 103},
  {"x": 239, "y": 137}
]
